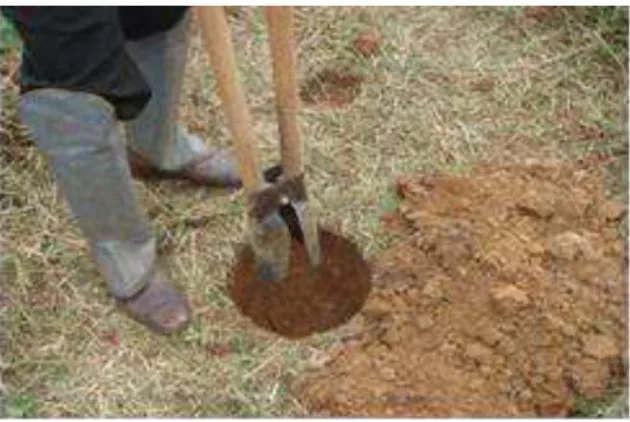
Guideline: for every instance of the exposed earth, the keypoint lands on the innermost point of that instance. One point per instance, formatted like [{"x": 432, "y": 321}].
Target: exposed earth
[
  {"x": 304, "y": 302},
  {"x": 507, "y": 297}
]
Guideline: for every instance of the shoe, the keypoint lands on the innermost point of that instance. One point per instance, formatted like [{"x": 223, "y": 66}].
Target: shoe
[{"x": 159, "y": 307}]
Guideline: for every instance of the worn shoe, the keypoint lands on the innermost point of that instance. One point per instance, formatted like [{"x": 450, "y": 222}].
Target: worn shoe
[
  {"x": 212, "y": 169},
  {"x": 209, "y": 169},
  {"x": 159, "y": 307}
]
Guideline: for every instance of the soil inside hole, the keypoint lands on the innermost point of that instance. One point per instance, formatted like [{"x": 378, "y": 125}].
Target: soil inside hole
[
  {"x": 506, "y": 296},
  {"x": 301, "y": 304}
]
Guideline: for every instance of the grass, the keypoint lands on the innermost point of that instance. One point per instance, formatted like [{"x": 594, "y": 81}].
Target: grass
[
  {"x": 613, "y": 406},
  {"x": 452, "y": 87}
]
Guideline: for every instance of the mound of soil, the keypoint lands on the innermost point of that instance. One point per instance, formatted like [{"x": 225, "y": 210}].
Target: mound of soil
[
  {"x": 506, "y": 297},
  {"x": 304, "y": 303}
]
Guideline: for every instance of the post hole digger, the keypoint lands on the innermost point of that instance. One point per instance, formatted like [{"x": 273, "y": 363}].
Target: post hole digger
[{"x": 293, "y": 257}]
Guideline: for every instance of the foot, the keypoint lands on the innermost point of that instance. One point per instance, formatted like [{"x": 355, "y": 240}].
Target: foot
[
  {"x": 159, "y": 307},
  {"x": 214, "y": 169}
]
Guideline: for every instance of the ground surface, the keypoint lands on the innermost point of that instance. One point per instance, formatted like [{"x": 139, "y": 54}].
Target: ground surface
[{"x": 388, "y": 92}]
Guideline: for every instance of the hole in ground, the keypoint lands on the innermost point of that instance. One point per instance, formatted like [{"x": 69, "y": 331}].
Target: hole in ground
[{"x": 301, "y": 304}]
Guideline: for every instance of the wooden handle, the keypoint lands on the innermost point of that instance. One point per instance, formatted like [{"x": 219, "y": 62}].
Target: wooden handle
[
  {"x": 281, "y": 43},
  {"x": 218, "y": 43}
]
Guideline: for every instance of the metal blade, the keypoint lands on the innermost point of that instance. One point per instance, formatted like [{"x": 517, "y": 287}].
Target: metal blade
[
  {"x": 309, "y": 229},
  {"x": 271, "y": 242}
]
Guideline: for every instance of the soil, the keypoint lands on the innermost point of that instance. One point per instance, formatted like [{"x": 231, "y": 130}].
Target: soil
[
  {"x": 541, "y": 12},
  {"x": 331, "y": 88},
  {"x": 303, "y": 303},
  {"x": 505, "y": 297},
  {"x": 367, "y": 43}
]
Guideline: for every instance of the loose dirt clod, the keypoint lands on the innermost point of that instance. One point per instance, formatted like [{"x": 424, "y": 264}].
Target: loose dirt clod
[
  {"x": 332, "y": 88},
  {"x": 367, "y": 43},
  {"x": 509, "y": 297},
  {"x": 302, "y": 305},
  {"x": 613, "y": 210},
  {"x": 569, "y": 246},
  {"x": 492, "y": 304},
  {"x": 600, "y": 347}
]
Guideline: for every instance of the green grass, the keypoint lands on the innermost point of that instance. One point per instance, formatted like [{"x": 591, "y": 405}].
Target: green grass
[
  {"x": 452, "y": 87},
  {"x": 9, "y": 38},
  {"x": 21, "y": 407},
  {"x": 611, "y": 406}
]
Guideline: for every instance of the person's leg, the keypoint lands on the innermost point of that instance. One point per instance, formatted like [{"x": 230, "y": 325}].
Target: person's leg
[
  {"x": 73, "y": 119},
  {"x": 82, "y": 141},
  {"x": 158, "y": 142}
]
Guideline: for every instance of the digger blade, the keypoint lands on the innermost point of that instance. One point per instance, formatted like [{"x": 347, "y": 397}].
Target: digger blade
[
  {"x": 271, "y": 242},
  {"x": 309, "y": 230}
]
